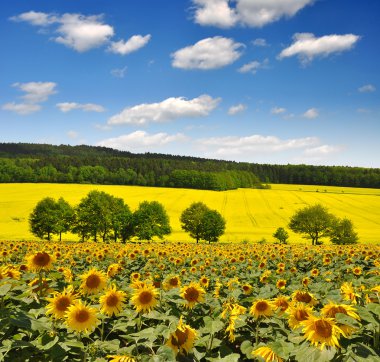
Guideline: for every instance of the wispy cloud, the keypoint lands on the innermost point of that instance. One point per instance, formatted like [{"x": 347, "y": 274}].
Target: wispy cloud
[
  {"x": 278, "y": 110},
  {"x": 131, "y": 45},
  {"x": 311, "y": 113},
  {"x": 119, "y": 72},
  {"x": 87, "y": 107},
  {"x": 368, "y": 88},
  {"x": 238, "y": 108}
]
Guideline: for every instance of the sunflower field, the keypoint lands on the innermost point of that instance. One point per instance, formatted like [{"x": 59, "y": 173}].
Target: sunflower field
[{"x": 189, "y": 302}]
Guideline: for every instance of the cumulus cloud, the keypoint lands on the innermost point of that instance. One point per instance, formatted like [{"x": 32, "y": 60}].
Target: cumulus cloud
[
  {"x": 21, "y": 108},
  {"x": 368, "y": 88},
  {"x": 323, "y": 150},
  {"x": 215, "y": 12},
  {"x": 307, "y": 46},
  {"x": 254, "y": 13},
  {"x": 36, "y": 92},
  {"x": 278, "y": 110},
  {"x": 260, "y": 42},
  {"x": 311, "y": 113},
  {"x": 235, "y": 146},
  {"x": 141, "y": 140},
  {"x": 236, "y": 109},
  {"x": 131, "y": 45},
  {"x": 87, "y": 107},
  {"x": 254, "y": 66},
  {"x": 81, "y": 32},
  {"x": 209, "y": 53},
  {"x": 167, "y": 110}
]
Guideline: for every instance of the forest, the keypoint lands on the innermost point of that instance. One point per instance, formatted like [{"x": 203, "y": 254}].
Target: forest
[{"x": 23, "y": 162}]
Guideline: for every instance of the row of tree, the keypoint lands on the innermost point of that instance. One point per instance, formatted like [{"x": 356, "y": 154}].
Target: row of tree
[
  {"x": 20, "y": 162},
  {"x": 316, "y": 222},
  {"x": 100, "y": 215}
]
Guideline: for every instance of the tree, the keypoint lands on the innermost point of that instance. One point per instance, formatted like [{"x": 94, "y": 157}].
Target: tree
[
  {"x": 343, "y": 232},
  {"x": 213, "y": 226},
  {"x": 281, "y": 235},
  {"x": 192, "y": 219},
  {"x": 313, "y": 221},
  {"x": 44, "y": 218},
  {"x": 65, "y": 217},
  {"x": 121, "y": 220},
  {"x": 151, "y": 219}
]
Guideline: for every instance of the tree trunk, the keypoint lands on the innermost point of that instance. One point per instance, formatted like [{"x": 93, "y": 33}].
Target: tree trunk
[{"x": 60, "y": 236}]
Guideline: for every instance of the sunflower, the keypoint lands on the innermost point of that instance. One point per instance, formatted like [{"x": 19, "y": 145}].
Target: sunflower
[
  {"x": 192, "y": 293},
  {"x": 304, "y": 297},
  {"x": 204, "y": 281},
  {"x": 357, "y": 270},
  {"x": 39, "y": 261},
  {"x": 235, "y": 311},
  {"x": 281, "y": 284},
  {"x": 297, "y": 313},
  {"x": 113, "y": 269},
  {"x": 171, "y": 282},
  {"x": 118, "y": 358},
  {"x": 112, "y": 302},
  {"x": 262, "y": 308},
  {"x": 81, "y": 318},
  {"x": 247, "y": 288},
  {"x": 348, "y": 292},
  {"x": 93, "y": 281},
  {"x": 267, "y": 354},
  {"x": 305, "y": 281},
  {"x": 182, "y": 340},
  {"x": 314, "y": 272},
  {"x": 321, "y": 332},
  {"x": 331, "y": 309},
  {"x": 281, "y": 303},
  {"x": 144, "y": 299},
  {"x": 60, "y": 302}
]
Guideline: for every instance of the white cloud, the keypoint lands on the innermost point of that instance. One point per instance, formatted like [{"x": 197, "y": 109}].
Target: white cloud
[
  {"x": 254, "y": 13},
  {"x": 254, "y": 66},
  {"x": 21, "y": 108},
  {"x": 215, "y": 13},
  {"x": 306, "y": 46},
  {"x": 167, "y": 110},
  {"x": 260, "y": 42},
  {"x": 235, "y": 146},
  {"x": 278, "y": 110},
  {"x": 119, "y": 72},
  {"x": 236, "y": 109},
  {"x": 311, "y": 113},
  {"x": 131, "y": 45},
  {"x": 141, "y": 140},
  {"x": 36, "y": 92},
  {"x": 323, "y": 150},
  {"x": 209, "y": 53},
  {"x": 87, "y": 107},
  {"x": 368, "y": 88},
  {"x": 35, "y": 18},
  {"x": 72, "y": 134},
  {"x": 83, "y": 33}
]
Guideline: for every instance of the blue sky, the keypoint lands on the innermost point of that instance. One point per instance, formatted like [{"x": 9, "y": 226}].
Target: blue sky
[{"x": 274, "y": 81}]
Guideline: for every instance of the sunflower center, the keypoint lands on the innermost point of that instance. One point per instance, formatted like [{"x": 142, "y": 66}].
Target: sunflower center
[
  {"x": 301, "y": 315},
  {"x": 261, "y": 306},
  {"x": 41, "y": 259},
  {"x": 173, "y": 281},
  {"x": 180, "y": 338},
  {"x": 112, "y": 300},
  {"x": 191, "y": 294},
  {"x": 323, "y": 329},
  {"x": 62, "y": 303},
  {"x": 335, "y": 310},
  {"x": 82, "y": 316},
  {"x": 92, "y": 281},
  {"x": 145, "y": 297},
  {"x": 303, "y": 297}
]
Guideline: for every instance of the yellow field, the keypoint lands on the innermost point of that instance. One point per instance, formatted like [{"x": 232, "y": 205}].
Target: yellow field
[{"x": 250, "y": 214}]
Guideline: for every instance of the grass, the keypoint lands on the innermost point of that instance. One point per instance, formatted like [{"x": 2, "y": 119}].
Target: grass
[{"x": 250, "y": 214}]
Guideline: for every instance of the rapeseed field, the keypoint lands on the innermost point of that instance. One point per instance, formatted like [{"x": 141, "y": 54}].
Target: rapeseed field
[{"x": 250, "y": 214}]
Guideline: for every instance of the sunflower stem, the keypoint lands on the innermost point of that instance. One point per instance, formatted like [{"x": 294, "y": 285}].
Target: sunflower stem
[{"x": 257, "y": 333}]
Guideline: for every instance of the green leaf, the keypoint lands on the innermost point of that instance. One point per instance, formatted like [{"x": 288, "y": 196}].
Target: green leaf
[
  {"x": 246, "y": 348},
  {"x": 282, "y": 348},
  {"x": 311, "y": 354},
  {"x": 212, "y": 326},
  {"x": 234, "y": 357},
  {"x": 4, "y": 289},
  {"x": 164, "y": 353},
  {"x": 346, "y": 320},
  {"x": 366, "y": 315}
]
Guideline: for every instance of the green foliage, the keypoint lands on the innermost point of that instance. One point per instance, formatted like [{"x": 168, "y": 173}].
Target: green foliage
[
  {"x": 151, "y": 219},
  {"x": 281, "y": 235},
  {"x": 202, "y": 223},
  {"x": 315, "y": 222},
  {"x": 343, "y": 232},
  {"x": 44, "y": 219}
]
